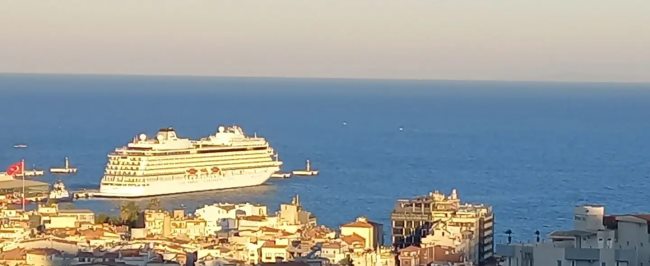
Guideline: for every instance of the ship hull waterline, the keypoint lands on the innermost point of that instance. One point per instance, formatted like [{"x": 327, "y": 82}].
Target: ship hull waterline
[{"x": 184, "y": 186}]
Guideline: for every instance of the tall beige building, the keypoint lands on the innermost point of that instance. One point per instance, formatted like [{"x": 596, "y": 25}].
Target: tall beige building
[
  {"x": 438, "y": 220},
  {"x": 370, "y": 231},
  {"x": 294, "y": 214}
]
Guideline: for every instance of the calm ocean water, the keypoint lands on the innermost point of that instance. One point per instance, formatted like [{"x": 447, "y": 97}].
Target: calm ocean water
[{"x": 532, "y": 150}]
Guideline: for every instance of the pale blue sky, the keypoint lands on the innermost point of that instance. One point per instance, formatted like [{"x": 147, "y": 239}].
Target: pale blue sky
[{"x": 564, "y": 40}]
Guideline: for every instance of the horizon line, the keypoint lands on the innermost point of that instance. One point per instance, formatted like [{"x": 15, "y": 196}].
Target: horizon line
[{"x": 317, "y": 78}]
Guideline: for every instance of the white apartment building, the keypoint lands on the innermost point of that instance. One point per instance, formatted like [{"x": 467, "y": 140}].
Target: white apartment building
[
  {"x": 596, "y": 240},
  {"x": 223, "y": 216}
]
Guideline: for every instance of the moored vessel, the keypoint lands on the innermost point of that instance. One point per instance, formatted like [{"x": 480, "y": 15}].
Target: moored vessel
[
  {"x": 308, "y": 171},
  {"x": 281, "y": 175},
  {"x": 59, "y": 193},
  {"x": 34, "y": 172},
  {"x": 169, "y": 164},
  {"x": 66, "y": 169}
]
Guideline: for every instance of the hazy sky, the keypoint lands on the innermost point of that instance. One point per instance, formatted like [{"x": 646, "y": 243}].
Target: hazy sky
[{"x": 578, "y": 40}]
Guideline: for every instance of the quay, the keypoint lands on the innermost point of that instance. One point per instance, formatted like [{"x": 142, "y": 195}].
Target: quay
[
  {"x": 308, "y": 171},
  {"x": 10, "y": 185},
  {"x": 84, "y": 194},
  {"x": 281, "y": 175}
]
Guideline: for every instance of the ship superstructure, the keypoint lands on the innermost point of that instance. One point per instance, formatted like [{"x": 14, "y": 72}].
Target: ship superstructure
[{"x": 169, "y": 164}]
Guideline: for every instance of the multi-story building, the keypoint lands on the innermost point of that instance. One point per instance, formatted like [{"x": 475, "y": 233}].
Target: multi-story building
[
  {"x": 466, "y": 229},
  {"x": 53, "y": 217},
  {"x": 187, "y": 228},
  {"x": 371, "y": 232},
  {"x": 293, "y": 214},
  {"x": 597, "y": 239},
  {"x": 157, "y": 223},
  {"x": 223, "y": 216}
]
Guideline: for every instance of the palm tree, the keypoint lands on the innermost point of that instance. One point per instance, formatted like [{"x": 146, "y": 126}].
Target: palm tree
[
  {"x": 509, "y": 233},
  {"x": 129, "y": 212}
]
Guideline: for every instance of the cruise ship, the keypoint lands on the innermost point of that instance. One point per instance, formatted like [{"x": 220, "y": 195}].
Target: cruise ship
[{"x": 169, "y": 164}]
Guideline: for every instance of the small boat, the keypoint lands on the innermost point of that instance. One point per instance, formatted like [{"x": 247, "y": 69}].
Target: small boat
[
  {"x": 59, "y": 193},
  {"x": 281, "y": 175},
  {"x": 20, "y": 146},
  {"x": 307, "y": 171},
  {"x": 34, "y": 172},
  {"x": 66, "y": 169}
]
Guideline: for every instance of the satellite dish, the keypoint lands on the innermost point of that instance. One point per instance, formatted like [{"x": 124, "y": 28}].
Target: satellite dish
[
  {"x": 143, "y": 137},
  {"x": 221, "y": 129}
]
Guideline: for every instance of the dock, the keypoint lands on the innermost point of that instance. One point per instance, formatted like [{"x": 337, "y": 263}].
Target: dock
[
  {"x": 66, "y": 169},
  {"x": 308, "y": 171},
  {"x": 34, "y": 172},
  {"x": 84, "y": 194},
  {"x": 281, "y": 175}
]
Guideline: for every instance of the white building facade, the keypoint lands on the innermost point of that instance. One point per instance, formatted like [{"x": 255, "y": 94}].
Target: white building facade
[
  {"x": 596, "y": 240},
  {"x": 223, "y": 216}
]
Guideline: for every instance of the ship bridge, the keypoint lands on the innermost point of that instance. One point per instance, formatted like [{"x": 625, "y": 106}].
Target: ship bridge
[{"x": 166, "y": 139}]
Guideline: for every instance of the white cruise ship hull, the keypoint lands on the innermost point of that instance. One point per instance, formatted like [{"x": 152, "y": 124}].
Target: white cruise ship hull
[{"x": 184, "y": 184}]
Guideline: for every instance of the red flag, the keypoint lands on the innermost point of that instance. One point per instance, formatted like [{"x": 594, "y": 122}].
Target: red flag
[{"x": 15, "y": 169}]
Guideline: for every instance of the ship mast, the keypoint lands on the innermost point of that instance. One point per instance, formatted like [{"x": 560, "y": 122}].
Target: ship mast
[{"x": 22, "y": 163}]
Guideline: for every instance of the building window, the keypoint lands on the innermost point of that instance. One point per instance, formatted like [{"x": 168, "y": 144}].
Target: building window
[
  {"x": 603, "y": 264},
  {"x": 559, "y": 263}
]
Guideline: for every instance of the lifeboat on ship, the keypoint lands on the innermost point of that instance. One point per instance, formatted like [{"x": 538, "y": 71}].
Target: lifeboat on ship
[
  {"x": 192, "y": 171},
  {"x": 216, "y": 170}
]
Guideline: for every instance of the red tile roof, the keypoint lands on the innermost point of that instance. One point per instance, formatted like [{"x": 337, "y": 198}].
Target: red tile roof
[
  {"x": 360, "y": 224},
  {"x": 255, "y": 218},
  {"x": 409, "y": 249},
  {"x": 43, "y": 251},
  {"x": 14, "y": 254},
  {"x": 271, "y": 244},
  {"x": 351, "y": 239}
]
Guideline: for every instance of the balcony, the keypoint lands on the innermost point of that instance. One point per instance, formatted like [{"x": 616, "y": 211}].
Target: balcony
[
  {"x": 591, "y": 254},
  {"x": 624, "y": 255},
  {"x": 505, "y": 250}
]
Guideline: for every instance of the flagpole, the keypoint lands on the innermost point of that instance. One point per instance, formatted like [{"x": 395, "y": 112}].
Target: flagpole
[{"x": 23, "y": 171}]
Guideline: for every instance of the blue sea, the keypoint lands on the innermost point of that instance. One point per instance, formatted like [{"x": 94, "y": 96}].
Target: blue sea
[{"x": 532, "y": 150}]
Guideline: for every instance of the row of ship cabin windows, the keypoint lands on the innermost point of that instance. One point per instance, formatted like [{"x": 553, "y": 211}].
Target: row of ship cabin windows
[
  {"x": 127, "y": 184},
  {"x": 230, "y": 154},
  {"x": 117, "y": 165}
]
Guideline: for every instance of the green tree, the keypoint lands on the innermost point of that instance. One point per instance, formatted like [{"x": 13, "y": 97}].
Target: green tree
[
  {"x": 347, "y": 261},
  {"x": 102, "y": 218},
  {"x": 129, "y": 213},
  {"x": 114, "y": 220}
]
